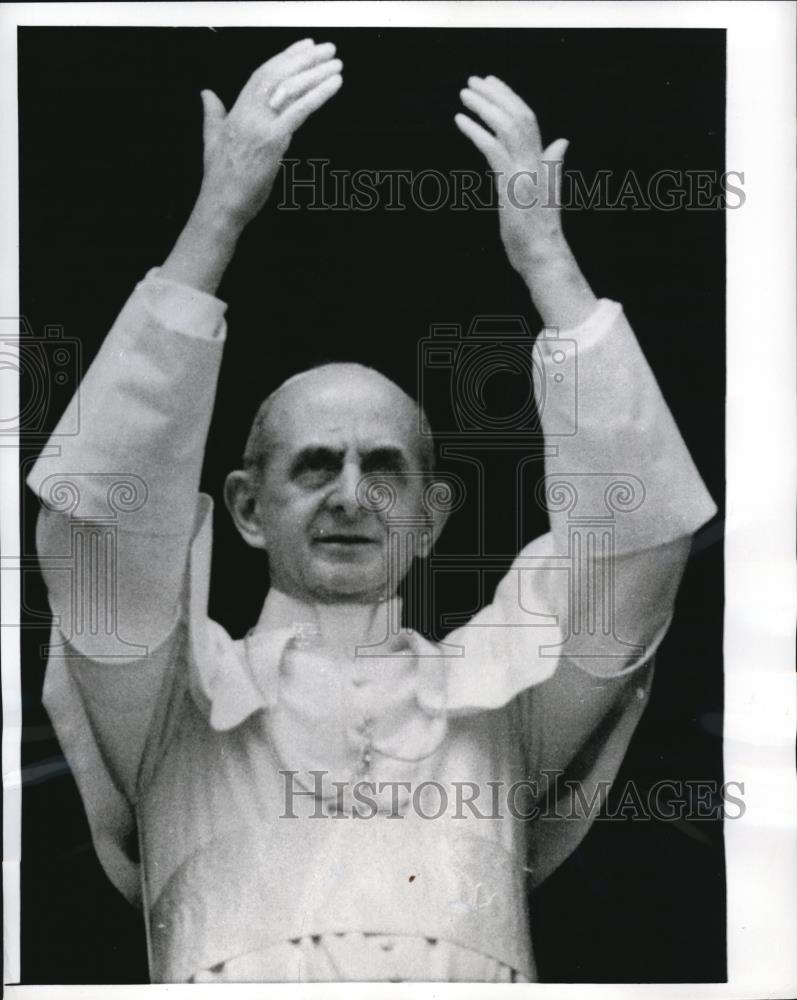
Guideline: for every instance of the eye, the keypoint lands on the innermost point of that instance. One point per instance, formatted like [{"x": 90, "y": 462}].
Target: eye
[
  {"x": 316, "y": 467},
  {"x": 388, "y": 461}
]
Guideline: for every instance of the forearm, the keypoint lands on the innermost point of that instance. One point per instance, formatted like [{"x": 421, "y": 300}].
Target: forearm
[
  {"x": 558, "y": 289},
  {"x": 204, "y": 248}
]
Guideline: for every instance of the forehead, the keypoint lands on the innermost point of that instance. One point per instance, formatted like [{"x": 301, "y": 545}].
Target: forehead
[{"x": 342, "y": 406}]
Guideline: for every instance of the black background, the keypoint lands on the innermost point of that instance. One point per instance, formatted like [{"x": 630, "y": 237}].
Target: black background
[{"x": 110, "y": 160}]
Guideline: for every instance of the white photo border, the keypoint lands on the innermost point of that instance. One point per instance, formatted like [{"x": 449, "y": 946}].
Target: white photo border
[{"x": 760, "y": 580}]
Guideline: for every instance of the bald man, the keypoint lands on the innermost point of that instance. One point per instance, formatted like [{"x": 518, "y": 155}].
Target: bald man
[{"x": 334, "y": 797}]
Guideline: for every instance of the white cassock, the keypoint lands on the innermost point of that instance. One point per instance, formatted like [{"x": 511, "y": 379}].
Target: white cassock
[{"x": 218, "y": 774}]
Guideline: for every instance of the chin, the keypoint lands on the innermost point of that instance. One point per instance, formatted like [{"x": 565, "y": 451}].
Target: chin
[{"x": 348, "y": 585}]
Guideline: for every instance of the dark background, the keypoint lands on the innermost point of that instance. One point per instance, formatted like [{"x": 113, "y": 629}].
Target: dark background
[{"x": 110, "y": 160}]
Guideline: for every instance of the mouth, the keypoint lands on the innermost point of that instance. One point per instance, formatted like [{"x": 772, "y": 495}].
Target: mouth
[{"x": 338, "y": 538}]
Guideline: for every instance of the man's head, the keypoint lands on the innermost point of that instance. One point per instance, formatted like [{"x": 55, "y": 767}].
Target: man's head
[{"x": 301, "y": 494}]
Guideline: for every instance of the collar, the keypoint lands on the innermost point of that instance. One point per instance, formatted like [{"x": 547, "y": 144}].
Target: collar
[
  {"x": 342, "y": 629},
  {"x": 237, "y": 679}
]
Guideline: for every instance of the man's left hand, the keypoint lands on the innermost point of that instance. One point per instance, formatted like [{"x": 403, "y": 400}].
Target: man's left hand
[{"x": 527, "y": 176}]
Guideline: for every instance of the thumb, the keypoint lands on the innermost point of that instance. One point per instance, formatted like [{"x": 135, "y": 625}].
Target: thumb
[
  {"x": 214, "y": 114},
  {"x": 557, "y": 149},
  {"x": 554, "y": 156}
]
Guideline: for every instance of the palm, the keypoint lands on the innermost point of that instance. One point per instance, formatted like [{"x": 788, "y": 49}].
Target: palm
[
  {"x": 526, "y": 173},
  {"x": 244, "y": 149}
]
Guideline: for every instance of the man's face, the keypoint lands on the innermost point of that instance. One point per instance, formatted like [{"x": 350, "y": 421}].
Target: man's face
[{"x": 326, "y": 432}]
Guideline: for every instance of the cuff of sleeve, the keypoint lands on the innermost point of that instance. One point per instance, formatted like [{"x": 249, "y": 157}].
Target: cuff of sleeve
[
  {"x": 603, "y": 668},
  {"x": 589, "y": 332},
  {"x": 619, "y": 450},
  {"x": 181, "y": 308}
]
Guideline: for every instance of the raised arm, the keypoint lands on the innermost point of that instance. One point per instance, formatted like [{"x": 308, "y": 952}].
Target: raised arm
[
  {"x": 623, "y": 499},
  {"x": 623, "y": 427},
  {"x": 145, "y": 404},
  {"x": 243, "y": 152},
  {"x": 528, "y": 180},
  {"x": 143, "y": 410}
]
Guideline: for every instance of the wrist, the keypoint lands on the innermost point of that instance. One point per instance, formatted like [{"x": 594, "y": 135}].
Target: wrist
[
  {"x": 204, "y": 248},
  {"x": 215, "y": 223},
  {"x": 546, "y": 252},
  {"x": 558, "y": 288}
]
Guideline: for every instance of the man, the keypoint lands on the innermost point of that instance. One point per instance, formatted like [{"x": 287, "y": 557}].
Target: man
[{"x": 332, "y": 797}]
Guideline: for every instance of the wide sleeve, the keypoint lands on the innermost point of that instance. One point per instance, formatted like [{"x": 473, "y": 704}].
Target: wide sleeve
[
  {"x": 623, "y": 499},
  {"x": 128, "y": 480},
  {"x": 120, "y": 509},
  {"x": 568, "y": 643}
]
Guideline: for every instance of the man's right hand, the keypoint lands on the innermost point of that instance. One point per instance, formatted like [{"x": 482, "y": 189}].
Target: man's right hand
[
  {"x": 243, "y": 152},
  {"x": 244, "y": 149}
]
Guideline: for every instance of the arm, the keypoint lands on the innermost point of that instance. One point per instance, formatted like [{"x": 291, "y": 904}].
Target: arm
[
  {"x": 624, "y": 432},
  {"x": 579, "y": 718},
  {"x": 145, "y": 407},
  {"x": 528, "y": 180},
  {"x": 243, "y": 152},
  {"x": 146, "y": 402},
  {"x": 624, "y": 426}
]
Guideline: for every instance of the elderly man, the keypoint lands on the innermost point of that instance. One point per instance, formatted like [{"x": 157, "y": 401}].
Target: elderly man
[{"x": 332, "y": 797}]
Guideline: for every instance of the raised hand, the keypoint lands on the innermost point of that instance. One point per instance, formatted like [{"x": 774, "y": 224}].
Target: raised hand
[
  {"x": 527, "y": 181},
  {"x": 243, "y": 152},
  {"x": 243, "y": 149},
  {"x": 526, "y": 173}
]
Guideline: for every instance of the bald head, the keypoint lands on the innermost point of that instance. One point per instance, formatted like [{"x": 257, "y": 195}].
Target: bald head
[
  {"x": 333, "y": 400},
  {"x": 314, "y": 443}
]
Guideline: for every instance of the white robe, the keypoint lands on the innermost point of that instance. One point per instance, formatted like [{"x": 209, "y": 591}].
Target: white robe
[{"x": 180, "y": 736}]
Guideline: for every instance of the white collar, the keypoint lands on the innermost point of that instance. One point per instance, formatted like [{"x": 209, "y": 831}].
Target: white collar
[
  {"x": 339, "y": 628},
  {"x": 237, "y": 679}
]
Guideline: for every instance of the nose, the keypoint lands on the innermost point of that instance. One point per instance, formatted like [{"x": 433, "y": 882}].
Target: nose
[{"x": 343, "y": 498}]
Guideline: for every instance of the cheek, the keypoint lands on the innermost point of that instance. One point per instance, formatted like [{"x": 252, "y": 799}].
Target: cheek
[
  {"x": 410, "y": 504},
  {"x": 285, "y": 511}
]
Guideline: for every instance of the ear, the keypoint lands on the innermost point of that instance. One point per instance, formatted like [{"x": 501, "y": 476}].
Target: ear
[{"x": 240, "y": 495}]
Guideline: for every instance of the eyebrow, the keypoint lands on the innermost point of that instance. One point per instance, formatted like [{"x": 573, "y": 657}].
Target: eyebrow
[
  {"x": 314, "y": 457},
  {"x": 386, "y": 455},
  {"x": 317, "y": 456}
]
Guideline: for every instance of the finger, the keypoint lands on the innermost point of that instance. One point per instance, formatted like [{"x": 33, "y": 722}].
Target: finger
[
  {"x": 305, "y": 44},
  {"x": 300, "y": 110},
  {"x": 288, "y": 63},
  {"x": 302, "y": 43},
  {"x": 299, "y": 84},
  {"x": 214, "y": 115},
  {"x": 484, "y": 141},
  {"x": 489, "y": 113},
  {"x": 553, "y": 155},
  {"x": 556, "y": 151},
  {"x": 298, "y": 57},
  {"x": 500, "y": 93},
  {"x": 504, "y": 97}
]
